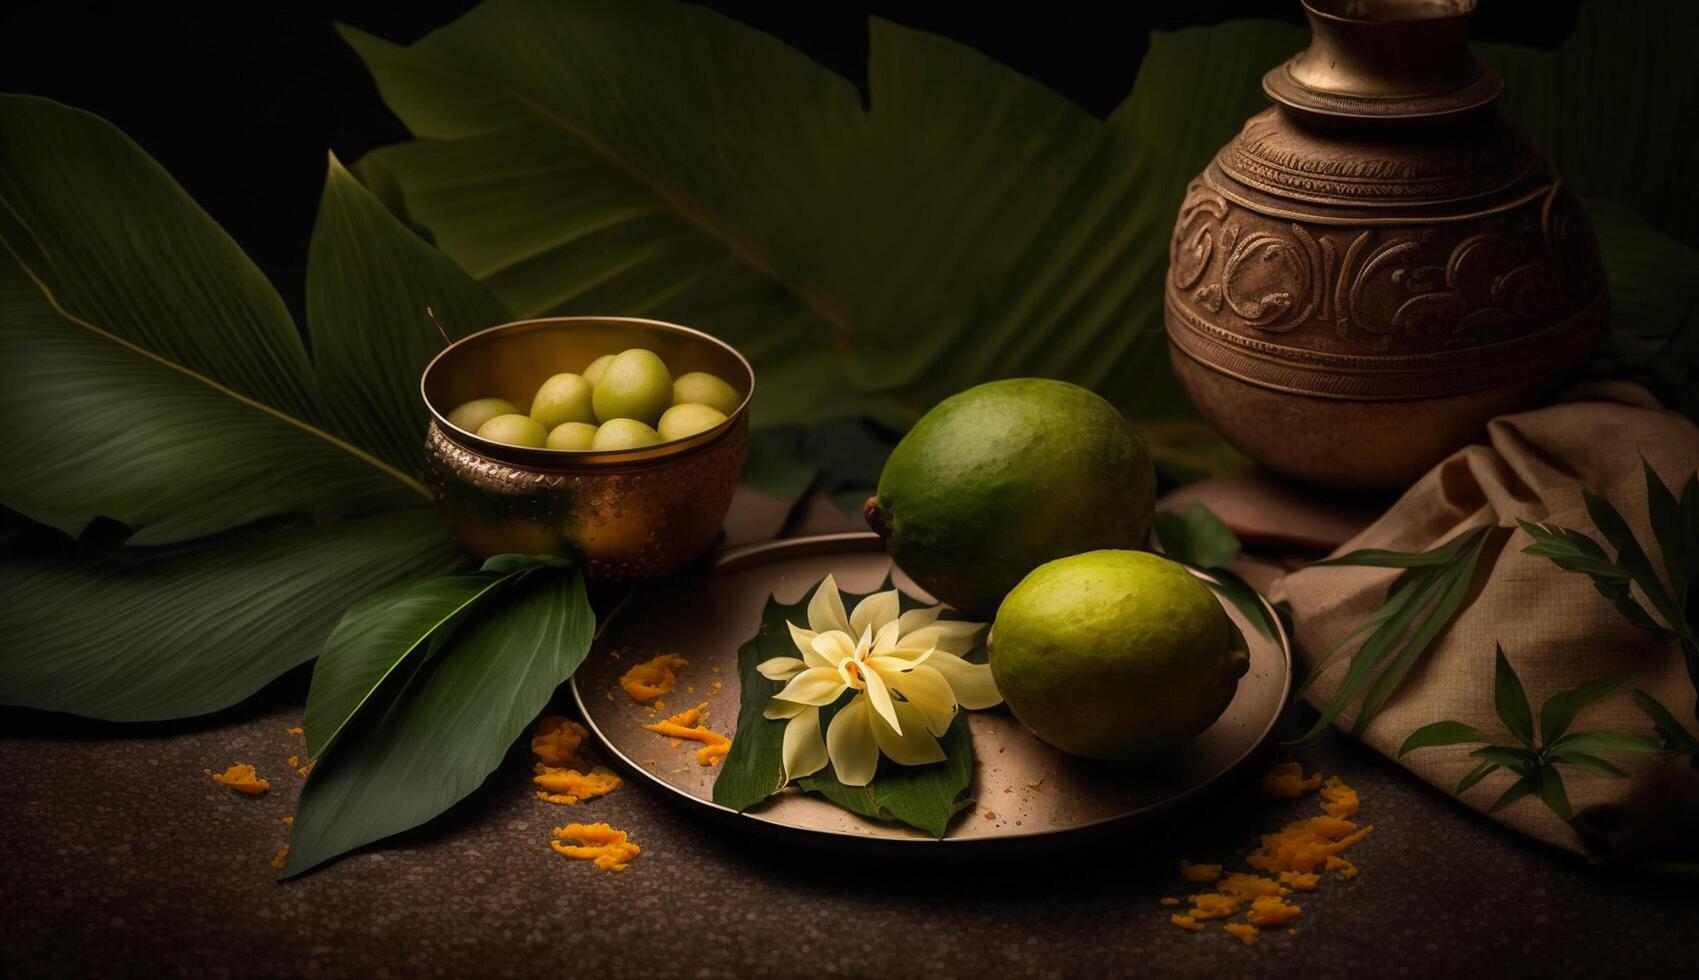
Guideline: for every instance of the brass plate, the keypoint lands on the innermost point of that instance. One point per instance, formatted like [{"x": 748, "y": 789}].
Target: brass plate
[{"x": 1027, "y": 792}]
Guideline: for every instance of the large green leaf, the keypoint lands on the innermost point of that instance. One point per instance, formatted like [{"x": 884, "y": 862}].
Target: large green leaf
[
  {"x": 369, "y": 283},
  {"x": 967, "y": 225},
  {"x": 149, "y": 637},
  {"x": 450, "y": 720},
  {"x": 153, "y": 376}
]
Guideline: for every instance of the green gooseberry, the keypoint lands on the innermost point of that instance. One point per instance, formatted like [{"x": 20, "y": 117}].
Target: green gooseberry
[
  {"x": 563, "y": 398},
  {"x": 624, "y": 434},
  {"x": 514, "y": 430},
  {"x": 593, "y": 373},
  {"x": 472, "y": 415},
  {"x": 687, "y": 420},
  {"x": 702, "y": 388},
  {"x": 572, "y": 435},
  {"x": 636, "y": 385}
]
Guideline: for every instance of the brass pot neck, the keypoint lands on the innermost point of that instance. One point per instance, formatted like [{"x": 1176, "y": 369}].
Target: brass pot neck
[{"x": 1384, "y": 59}]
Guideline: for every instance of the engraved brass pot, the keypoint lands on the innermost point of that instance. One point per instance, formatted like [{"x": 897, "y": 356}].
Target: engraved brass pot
[
  {"x": 630, "y": 514},
  {"x": 1380, "y": 262}
]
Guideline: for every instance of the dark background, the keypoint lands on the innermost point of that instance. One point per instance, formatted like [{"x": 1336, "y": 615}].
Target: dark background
[{"x": 240, "y": 101}]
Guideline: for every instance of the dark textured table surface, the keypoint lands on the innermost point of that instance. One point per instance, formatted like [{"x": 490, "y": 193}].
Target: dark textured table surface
[{"x": 120, "y": 857}]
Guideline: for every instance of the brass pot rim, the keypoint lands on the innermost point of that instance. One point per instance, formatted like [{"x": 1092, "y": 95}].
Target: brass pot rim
[{"x": 557, "y": 460}]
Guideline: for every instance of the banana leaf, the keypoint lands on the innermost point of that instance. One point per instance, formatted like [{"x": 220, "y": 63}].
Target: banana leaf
[{"x": 156, "y": 385}]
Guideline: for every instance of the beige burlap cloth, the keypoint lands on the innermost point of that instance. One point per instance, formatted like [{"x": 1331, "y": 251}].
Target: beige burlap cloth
[{"x": 1555, "y": 628}]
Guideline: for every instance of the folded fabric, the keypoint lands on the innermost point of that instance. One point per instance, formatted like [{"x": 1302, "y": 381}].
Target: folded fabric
[{"x": 1555, "y": 628}]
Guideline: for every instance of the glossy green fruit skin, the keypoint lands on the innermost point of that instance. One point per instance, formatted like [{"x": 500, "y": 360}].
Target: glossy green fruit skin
[
  {"x": 635, "y": 385},
  {"x": 593, "y": 373},
  {"x": 687, "y": 420},
  {"x": 514, "y": 430},
  {"x": 472, "y": 415},
  {"x": 1003, "y": 477},
  {"x": 571, "y": 435},
  {"x": 702, "y": 388},
  {"x": 1114, "y": 655},
  {"x": 561, "y": 399},
  {"x": 624, "y": 434}
]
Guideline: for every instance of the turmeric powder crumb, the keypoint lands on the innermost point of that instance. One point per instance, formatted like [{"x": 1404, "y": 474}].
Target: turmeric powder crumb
[
  {"x": 297, "y": 730},
  {"x": 280, "y": 858},
  {"x": 596, "y": 842},
  {"x": 1286, "y": 782},
  {"x": 1293, "y": 855},
  {"x": 1202, "y": 873},
  {"x": 1271, "y": 910},
  {"x": 647, "y": 681},
  {"x": 568, "y": 786},
  {"x": 307, "y": 768},
  {"x": 289, "y": 821},
  {"x": 242, "y": 778},
  {"x": 557, "y": 740},
  {"x": 689, "y": 724},
  {"x": 294, "y": 762},
  {"x": 1341, "y": 799}
]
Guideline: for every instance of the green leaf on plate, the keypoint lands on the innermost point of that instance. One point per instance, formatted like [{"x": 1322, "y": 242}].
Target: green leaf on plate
[
  {"x": 925, "y": 797},
  {"x": 1196, "y": 536},
  {"x": 447, "y": 719},
  {"x": 1440, "y": 733}
]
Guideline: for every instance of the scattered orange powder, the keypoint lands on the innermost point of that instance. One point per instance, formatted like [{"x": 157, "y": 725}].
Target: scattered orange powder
[
  {"x": 307, "y": 768},
  {"x": 568, "y": 786},
  {"x": 297, "y": 730},
  {"x": 1271, "y": 910},
  {"x": 1341, "y": 799},
  {"x": 690, "y": 724},
  {"x": 1202, "y": 873},
  {"x": 596, "y": 842},
  {"x": 289, "y": 821},
  {"x": 557, "y": 740},
  {"x": 647, "y": 681},
  {"x": 1170, "y": 901},
  {"x": 242, "y": 778},
  {"x": 1293, "y": 854},
  {"x": 294, "y": 762},
  {"x": 282, "y": 856},
  {"x": 1286, "y": 782}
]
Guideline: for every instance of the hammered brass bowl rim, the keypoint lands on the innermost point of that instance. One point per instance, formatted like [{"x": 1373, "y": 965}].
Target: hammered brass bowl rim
[{"x": 557, "y": 460}]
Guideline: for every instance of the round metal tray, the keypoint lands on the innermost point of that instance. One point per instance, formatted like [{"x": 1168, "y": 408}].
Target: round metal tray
[{"x": 1026, "y": 792}]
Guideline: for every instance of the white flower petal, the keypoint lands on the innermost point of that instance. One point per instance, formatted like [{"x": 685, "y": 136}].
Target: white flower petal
[
  {"x": 816, "y": 686},
  {"x": 780, "y": 668},
  {"x": 834, "y": 648},
  {"x": 930, "y": 694},
  {"x": 972, "y": 683},
  {"x": 804, "y": 640},
  {"x": 915, "y": 748},
  {"x": 826, "y": 609},
  {"x": 777, "y": 710},
  {"x": 898, "y": 661},
  {"x": 916, "y": 618},
  {"x": 948, "y": 635},
  {"x": 804, "y": 748},
  {"x": 886, "y": 638},
  {"x": 850, "y": 743},
  {"x": 880, "y": 697},
  {"x": 911, "y": 655},
  {"x": 875, "y": 611}
]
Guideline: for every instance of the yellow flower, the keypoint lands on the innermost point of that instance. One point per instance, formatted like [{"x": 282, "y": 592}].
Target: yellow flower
[{"x": 906, "y": 674}]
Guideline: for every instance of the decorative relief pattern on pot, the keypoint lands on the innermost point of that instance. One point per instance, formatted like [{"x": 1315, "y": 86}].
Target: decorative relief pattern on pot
[{"x": 1422, "y": 287}]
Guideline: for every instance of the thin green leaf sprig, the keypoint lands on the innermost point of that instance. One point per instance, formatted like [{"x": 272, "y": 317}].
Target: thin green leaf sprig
[
  {"x": 421, "y": 690},
  {"x": 1536, "y": 758},
  {"x": 1197, "y": 537},
  {"x": 1675, "y": 525},
  {"x": 1420, "y": 602}
]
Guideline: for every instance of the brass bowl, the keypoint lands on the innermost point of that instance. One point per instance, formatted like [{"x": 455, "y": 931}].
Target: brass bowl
[{"x": 629, "y": 514}]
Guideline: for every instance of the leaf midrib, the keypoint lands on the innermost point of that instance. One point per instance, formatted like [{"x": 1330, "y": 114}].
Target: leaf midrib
[{"x": 47, "y": 294}]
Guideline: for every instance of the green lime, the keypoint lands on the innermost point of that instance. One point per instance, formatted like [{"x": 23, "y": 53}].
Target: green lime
[
  {"x": 572, "y": 435},
  {"x": 1116, "y": 655},
  {"x": 687, "y": 420},
  {"x": 561, "y": 399},
  {"x": 624, "y": 434},
  {"x": 514, "y": 430},
  {"x": 702, "y": 388},
  {"x": 472, "y": 415},
  {"x": 635, "y": 385}
]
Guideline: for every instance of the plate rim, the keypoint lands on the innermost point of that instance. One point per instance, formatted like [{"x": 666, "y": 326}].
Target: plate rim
[{"x": 735, "y": 558}]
